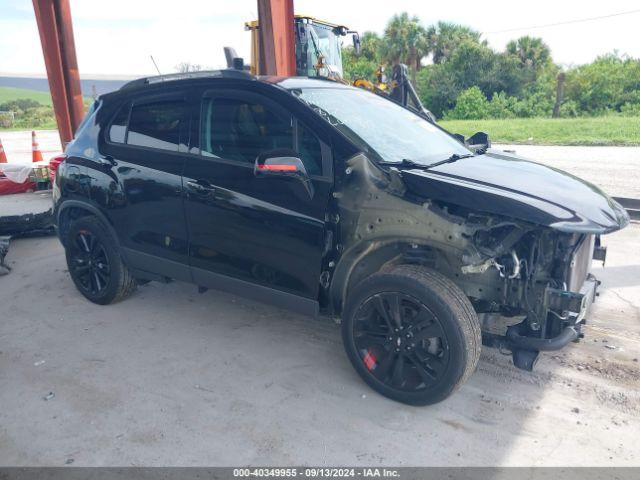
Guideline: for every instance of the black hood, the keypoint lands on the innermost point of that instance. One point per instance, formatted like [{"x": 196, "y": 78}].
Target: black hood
[{"x": 509, "y": 185}]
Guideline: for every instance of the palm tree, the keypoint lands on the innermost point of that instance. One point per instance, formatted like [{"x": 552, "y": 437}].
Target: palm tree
[
  {"x": 370, "y": 44},
  {"x": 405, "y": 41},
  {"x": 444, "y": 37},
  {"x": 531, "y": 51}
]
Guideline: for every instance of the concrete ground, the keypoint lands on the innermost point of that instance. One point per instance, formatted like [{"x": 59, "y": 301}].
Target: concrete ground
[
  {"x": 172, "y": 377},
  {"x": 616, "y": 170},
  {"x": 17, "y": 144}
]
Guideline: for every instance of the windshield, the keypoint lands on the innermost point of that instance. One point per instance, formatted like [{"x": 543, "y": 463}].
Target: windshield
[
  {"x": 321, "y": 40},
  {"x": 380, "y": 126}
]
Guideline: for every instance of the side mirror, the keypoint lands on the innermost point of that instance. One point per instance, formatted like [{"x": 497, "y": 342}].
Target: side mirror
[
  {"x": 479, "y": 141},
  {"x": 282, "y": 163}
]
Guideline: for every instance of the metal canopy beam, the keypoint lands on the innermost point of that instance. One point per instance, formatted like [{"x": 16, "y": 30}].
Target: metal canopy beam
[
  {"x": 58, "y": 46},
  {"x": 277, "y": 47}
]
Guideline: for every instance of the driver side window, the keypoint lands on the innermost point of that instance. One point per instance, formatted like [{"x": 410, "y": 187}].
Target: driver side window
[{"x": 239, "y": 130}]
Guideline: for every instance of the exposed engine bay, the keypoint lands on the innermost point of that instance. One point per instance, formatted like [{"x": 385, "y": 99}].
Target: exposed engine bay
[
  {"x": 530, "y": 284},
  {"x": 531, "y": 287}
]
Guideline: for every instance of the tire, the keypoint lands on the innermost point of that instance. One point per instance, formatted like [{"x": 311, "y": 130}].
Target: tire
[
  {"x": 426, "y": 355},
  {"x": 95, "y": 264}
]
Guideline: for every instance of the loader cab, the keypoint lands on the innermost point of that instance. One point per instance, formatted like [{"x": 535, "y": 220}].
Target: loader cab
[{"x": 318, "y": 47}]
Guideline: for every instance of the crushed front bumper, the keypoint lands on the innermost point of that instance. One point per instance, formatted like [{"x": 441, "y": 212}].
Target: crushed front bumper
[{"x": 574, "y": 308}]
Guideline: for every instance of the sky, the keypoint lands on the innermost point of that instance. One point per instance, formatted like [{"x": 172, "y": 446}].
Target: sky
[{"x": 116, "y": 37}]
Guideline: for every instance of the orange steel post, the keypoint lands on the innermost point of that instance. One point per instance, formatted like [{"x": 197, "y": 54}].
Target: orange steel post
[
  {"x": 277, "y": 45},
  {"x": 58, "y": 46}
]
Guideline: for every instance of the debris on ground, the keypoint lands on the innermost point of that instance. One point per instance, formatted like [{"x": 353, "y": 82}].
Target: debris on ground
[
  {"x": 610, "y": 347},
  {"x": 575, "y": 410},
  {"x": 69, "y": 461},
  {"x": 4, "y": 249},
  {"x": 49, "y": 396},
  {"x": 26, "y": 214},
  {"x": 39, "y": 362}
]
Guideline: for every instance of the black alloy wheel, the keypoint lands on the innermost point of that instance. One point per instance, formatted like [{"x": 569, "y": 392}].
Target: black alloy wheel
[
  {"x": 89, "y": 263},
  {"x": 95, "y": 263},
  {"x": 411, "y": 334},
  {"x": 400, "y": 341}
]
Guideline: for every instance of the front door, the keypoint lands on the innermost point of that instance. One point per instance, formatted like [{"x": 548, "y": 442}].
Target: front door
[{"x": 260, "y": 236}]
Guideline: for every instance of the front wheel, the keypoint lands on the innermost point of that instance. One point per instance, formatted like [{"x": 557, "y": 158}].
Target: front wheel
[
  {"x": 95, "y": 264},
  {"x": 411, "y": 334}
]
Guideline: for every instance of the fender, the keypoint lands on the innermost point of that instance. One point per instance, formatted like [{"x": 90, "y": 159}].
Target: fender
[
  {"x": 83, "y": 205},
  {"x": 369, "y": 256}
]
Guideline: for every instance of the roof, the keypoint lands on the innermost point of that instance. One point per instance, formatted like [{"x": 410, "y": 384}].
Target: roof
[
  {"x": 172, "y": 77},
  {"x": 288, "y": 83}
]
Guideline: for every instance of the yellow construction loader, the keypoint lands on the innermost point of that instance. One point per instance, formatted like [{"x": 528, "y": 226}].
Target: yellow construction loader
[{"x": 318, "y": 47}]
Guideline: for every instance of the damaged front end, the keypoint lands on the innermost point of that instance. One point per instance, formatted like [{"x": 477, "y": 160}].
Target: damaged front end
[
  {"x": 523, "y": 260},
  {"x": 542, "y": 292}
]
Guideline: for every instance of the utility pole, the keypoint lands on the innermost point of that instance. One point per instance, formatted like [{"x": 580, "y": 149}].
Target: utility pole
[
  {"x": 58, "y": 46},
  {"x": 275, "y": 31},
  {"x": 559, "y": 94}
]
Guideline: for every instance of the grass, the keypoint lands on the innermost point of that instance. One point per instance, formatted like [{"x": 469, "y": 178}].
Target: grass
[
  {"x": 48, "y": 125},
  {"x": 10, "y": 93},
  {"x": 609, "y": 130}
]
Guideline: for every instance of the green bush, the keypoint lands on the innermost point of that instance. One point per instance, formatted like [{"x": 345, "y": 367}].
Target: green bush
[
  {"x": 630, "y": 109},
  {"x": 470, "y": 105},
  {"x": 604, "y": 85},
  {"x": 501, "y": 106},
  {"x": 570, "y": 109},
  {"x": 18, "y": 106}
]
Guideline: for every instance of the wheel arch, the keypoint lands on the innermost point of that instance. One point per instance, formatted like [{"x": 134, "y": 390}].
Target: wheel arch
[
  {"x": 366, "y": 258},
  {"x": 70, "y": 210}
]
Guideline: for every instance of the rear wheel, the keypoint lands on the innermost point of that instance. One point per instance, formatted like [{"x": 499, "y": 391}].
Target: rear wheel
[
  {"x": 95, "y": 264},
  {"x": 411, "y": 334}
]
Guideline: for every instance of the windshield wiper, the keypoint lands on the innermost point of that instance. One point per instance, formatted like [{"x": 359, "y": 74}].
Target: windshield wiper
[
  {"x": 453, "y": 158},
  {"x": 404, "y": 163},
  {"x": 408, "y": 163}
]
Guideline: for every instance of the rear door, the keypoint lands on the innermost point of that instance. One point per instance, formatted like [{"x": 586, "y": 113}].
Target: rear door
[
  {"x": 147, "y": 142},
  {"x": 263, "y": 237}
]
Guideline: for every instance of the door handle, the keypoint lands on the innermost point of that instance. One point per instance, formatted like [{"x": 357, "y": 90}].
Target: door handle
[
  {"x": 107, "y": 161},
  {"x": 199, "y": 187}
]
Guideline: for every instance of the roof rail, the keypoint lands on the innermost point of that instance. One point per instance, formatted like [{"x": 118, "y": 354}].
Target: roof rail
[{"x": 226, "y": 73}]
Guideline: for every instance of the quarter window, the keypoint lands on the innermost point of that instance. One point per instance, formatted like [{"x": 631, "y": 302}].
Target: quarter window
[
  {"x": 118, "y": 128},
  {"x": 158, "y": 125}
]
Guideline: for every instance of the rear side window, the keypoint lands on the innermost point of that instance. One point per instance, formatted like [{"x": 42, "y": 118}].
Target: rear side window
[
  {"x": 159, "y": 125},
  {"x": 118, "y": 128}
]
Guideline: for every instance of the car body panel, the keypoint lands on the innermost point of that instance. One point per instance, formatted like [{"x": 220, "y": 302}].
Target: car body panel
[{"x": 513, "y": 186}]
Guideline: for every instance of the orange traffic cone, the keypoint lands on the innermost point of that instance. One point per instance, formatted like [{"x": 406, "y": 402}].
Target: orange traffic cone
[
  {"x": 3, "y": 156},
  {"x": 36, "y": 153}
]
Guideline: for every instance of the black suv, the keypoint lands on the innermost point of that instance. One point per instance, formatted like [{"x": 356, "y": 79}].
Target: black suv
[{"x": 323, "y": 198}]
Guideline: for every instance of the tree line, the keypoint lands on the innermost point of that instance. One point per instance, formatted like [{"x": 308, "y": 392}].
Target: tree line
[{"x": 457, "y": 75}]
